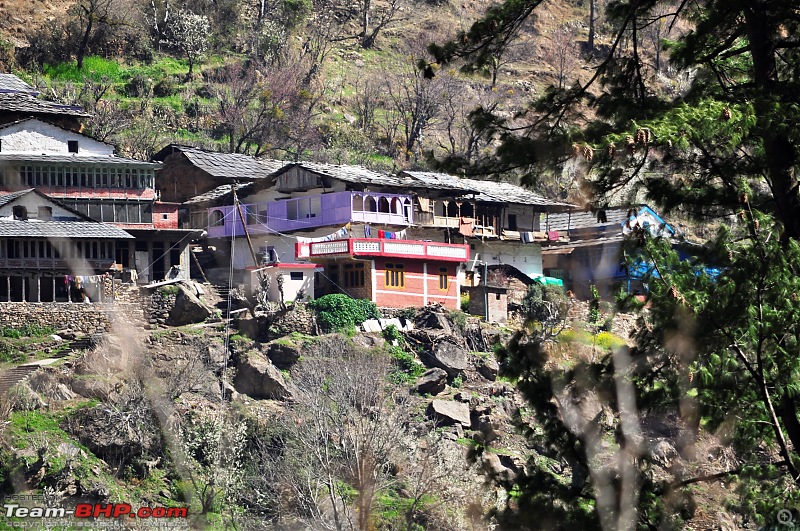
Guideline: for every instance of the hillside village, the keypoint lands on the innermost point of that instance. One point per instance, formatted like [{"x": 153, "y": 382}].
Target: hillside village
[
  {"x": 199, "y": 270},
  {"x": 398, "y": 265},
  {"x": 73, "y": 209}
]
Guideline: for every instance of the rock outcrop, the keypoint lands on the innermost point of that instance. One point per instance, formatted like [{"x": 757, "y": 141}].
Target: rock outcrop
[
  {"x": 188, "y": 308},
  {"x": 432, "y": 382},
  {"x": 488, "y": 367},
  {"x": 449, "y": 412},
  {"x": 283, "y": 354},
  {"x": 258, "y": 378},
  {"x": 450, "y": 357}
]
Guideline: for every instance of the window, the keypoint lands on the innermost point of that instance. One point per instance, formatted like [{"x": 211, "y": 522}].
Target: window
[
  {"x": 45, "y": 213},
  {"x": 72, "y": 146},
  {"x": 20, "y": 213},
  {"x": 512, "y": 222},
  {"x": 444, "y": 281},
  {"x": 296, "y": 275},
  {"x": 165, "y": 216},
  {"x": 353, "y": 275},
  {"x": 217, "y": 218},
  {"x": 333, "y": 273},
  {"x": 395, "y": 275}
]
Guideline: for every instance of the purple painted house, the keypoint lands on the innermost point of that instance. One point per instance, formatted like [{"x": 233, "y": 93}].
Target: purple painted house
[{"x": 311, "y": 212}]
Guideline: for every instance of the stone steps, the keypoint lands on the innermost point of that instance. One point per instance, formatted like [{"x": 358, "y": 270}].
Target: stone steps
[{"x": 11, "y": 377}]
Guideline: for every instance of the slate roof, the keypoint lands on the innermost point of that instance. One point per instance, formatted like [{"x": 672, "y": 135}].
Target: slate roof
[
  {"x": 23, "y": 103},
  {"x": 225, "y": 165},
  {"x": 577, "y": 220},
  {"x": 217, "y": 194},
  {"x": 60, "y": 229},
  {"x": 8, "y": 198},
  {"x": 75, "y": 159},
  {"x": 489, "y": 191},
  {"x": 11, "y": 83},
  {"x": 353, "y": 174}
]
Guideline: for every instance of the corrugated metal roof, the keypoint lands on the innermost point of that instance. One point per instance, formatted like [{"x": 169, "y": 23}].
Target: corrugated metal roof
[
  {"x": 60, "y": 229},
  {"x": 11, "y": 83},
  {"x": 353, "y": 174},
  {"x": 230, "y": 165},
  {"x": 489, "y": 191},
  {"x": 27, "y": 103},
  {"x": 76, "y": 159}
]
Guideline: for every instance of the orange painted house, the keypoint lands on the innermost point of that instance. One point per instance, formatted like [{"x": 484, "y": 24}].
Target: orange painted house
[{"x": 391, "y": 273}]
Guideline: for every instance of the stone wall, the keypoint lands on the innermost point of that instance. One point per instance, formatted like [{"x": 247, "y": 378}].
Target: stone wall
[
  {"x": 79, "y": 317},
  {"x": 298, "y": 318},
  {"x": 156, "y": 304}
]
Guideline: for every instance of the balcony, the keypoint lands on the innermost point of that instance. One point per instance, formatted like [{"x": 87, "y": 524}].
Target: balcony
[
  {"x": 389, "y": 248},
  {"x": 310, "y": 212},
  {"x": 54, "y": 263}
]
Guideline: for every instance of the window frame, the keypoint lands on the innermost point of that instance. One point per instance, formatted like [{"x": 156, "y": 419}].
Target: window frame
[
  {"x": 394, "y": 275},
  {"x": 444, "y": 279}
]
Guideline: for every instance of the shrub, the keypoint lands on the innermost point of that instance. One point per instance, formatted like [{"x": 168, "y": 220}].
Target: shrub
[
  {"x": 168, "y": 86},
  {"x": 459, "y": 318},
  {"x": 544, "y": 303},
  {"x": 391, "y": 333},
  {"x": 464, "y": 302},
  {"x": 406, "y": 367},
  {"x": 339, "y": 312},
  {"x": 139, "y": 86}
]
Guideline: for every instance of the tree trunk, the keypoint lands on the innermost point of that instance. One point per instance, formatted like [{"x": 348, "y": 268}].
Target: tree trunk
[
  {"x": 591, "y": 24},
  {"x": 779, "y": 155},
  {"x": 366, "y": 39},
  {"x": 85, "y": 40}
]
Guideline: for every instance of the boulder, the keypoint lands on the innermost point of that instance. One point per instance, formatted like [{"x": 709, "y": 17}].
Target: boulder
[
  {"x": 103, "y": 431},
  {"x": 432, "y": 382},
  {"x": 92, "y": 387},
  {"x": 495, "y": 469},
  {"x": 258, "y": 378},
  {"x": 450, "y": 357},
  {"x": 188, "y": 308},
  {"x": 433, "y": 320},
  {"x": 488, "y": 427},
  {"x": 448, "y": 412},
  {"x": 488, "y": 368},
  {"x": 283, "y": 354}
]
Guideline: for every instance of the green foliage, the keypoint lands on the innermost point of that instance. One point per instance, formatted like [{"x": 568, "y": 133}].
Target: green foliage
[
  {"x": 457, "y": 382},
  {"x": 391, "y": 333},
  {"x": 724, "y": 346},
  {"x": 94, "y": 68},
  {"x": 459, "y": 318},
  {"x": 406, "y": 367},
  {"x": 463, "y": 302},
  {"x": 544, "y": 303},
  {"x": 339, "y": 312},
  {"x": 27, "y": 330},
  {"x": 594, "y": 305},
  {"x": 169, "y": 290}
]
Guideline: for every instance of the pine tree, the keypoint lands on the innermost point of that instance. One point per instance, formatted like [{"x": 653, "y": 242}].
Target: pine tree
[{"x": 720, "y": 344}]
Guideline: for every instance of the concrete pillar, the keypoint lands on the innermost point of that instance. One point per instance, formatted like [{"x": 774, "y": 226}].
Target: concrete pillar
[
  {"x": 38, "y": 288},
  {"x": 8, "y": 287},
  {"x": 54, "y": 289},
  {"x": 24, "y": 288}
]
